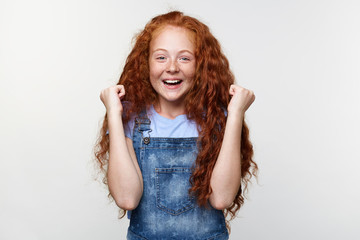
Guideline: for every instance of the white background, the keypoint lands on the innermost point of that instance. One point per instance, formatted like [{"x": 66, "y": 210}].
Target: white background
[{"x": 301, "y": 58}]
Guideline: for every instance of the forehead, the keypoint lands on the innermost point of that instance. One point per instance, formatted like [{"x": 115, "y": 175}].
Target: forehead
[{"x": 173, "y": 36}]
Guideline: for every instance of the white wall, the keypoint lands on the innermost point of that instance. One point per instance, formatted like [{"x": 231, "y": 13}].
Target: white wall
[{"x": 301, "y": 57}]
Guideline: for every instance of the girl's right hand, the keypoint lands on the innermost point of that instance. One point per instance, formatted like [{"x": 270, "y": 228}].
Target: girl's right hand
[{"x": 111, "y": 98}]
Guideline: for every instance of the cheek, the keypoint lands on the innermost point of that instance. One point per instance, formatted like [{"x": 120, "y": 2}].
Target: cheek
[
  {"x": 190, "y": 71},
  {"x": 154, "y": 70},
  {"x": 154, "y": 76}
]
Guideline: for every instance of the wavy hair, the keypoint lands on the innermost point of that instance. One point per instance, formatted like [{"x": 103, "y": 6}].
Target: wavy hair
[{"x": 205, "y": 104}]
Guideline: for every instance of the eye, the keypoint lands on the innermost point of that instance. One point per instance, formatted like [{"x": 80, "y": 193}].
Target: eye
[
  {"x": 160, "y": 58},
  {"x": 185, "y": 59}
]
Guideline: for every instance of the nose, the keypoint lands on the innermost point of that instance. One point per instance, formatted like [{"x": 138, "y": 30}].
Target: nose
[{"x": 173, "y": 66}]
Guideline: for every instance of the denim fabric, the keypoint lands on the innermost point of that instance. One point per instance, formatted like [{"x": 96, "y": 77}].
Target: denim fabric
[{"x": 166, "y": 210}]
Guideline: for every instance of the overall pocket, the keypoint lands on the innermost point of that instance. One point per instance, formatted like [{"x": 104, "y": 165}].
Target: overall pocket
[{"x": 172, "y": 190}]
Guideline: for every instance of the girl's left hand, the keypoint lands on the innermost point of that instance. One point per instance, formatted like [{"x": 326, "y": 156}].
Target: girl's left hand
[{"x": 241, "y": 99}]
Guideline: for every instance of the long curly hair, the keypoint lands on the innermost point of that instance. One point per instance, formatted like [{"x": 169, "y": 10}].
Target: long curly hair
[{"x": 205, "y": 103}]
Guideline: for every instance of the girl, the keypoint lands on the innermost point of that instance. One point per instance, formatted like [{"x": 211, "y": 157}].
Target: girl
[{"x": 174, "y": 144}]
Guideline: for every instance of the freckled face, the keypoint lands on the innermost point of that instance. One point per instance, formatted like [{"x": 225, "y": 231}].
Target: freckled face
[{"x": 172, "y": 64}]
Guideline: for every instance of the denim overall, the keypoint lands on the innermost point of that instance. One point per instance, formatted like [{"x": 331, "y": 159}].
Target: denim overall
[{"x": 166, "y": 210}]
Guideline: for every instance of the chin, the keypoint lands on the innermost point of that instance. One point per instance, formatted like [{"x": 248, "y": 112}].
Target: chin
[{"x": 173, "y": 99}]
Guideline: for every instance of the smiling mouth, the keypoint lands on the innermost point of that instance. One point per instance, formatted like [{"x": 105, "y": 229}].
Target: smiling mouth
[{"x": 172, "y": 82}]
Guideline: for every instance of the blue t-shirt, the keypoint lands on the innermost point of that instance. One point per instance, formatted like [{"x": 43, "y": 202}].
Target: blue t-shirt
[{"x": 180, "y": 127}]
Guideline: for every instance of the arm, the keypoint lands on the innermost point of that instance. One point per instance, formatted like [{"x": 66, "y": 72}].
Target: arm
[
  {"x": 123, "y": 174},
  {"x": 226, "y": 177}
]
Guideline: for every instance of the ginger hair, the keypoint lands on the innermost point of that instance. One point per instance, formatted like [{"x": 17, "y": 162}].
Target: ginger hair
[{"x": 205, "y": 103}]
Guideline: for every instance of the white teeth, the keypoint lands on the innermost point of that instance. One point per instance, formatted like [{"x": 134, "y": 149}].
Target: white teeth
[{"x": 172, "y": 81}]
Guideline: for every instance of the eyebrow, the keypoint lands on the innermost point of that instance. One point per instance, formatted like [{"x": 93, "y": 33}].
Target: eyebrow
[{"x": 182, "y": 51}]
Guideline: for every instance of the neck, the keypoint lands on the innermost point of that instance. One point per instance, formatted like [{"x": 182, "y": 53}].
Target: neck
[{"x": 170, "y": 109}]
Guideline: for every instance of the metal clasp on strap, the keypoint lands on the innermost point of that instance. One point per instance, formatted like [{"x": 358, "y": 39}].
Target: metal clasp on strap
[
  {"x": 144, "y": 125},
  {"x": 146, "y": 140}
]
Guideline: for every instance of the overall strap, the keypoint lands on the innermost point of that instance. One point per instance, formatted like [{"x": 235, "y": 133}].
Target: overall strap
[{"x": 142, "y": 126}]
